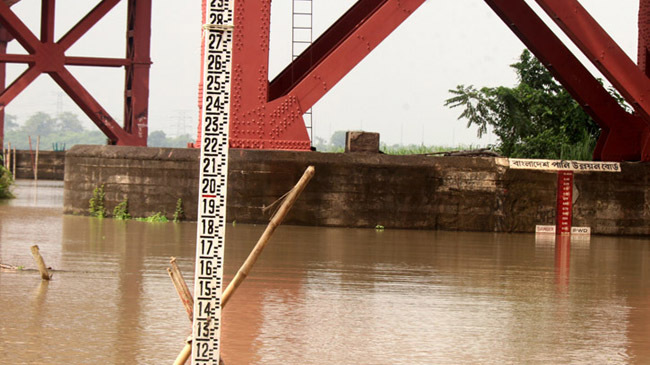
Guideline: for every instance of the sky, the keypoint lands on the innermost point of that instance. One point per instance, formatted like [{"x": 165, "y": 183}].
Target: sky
[{"x": 398, "y": 90}]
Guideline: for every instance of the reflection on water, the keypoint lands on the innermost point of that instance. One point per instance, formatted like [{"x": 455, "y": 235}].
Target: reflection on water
[
  {"x": 33, "y": 193},
  {"x": 322, "y": 295}
]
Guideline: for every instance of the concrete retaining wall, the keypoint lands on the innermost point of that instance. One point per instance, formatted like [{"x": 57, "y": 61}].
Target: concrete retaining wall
[
  {"x": 50, "y": 165},
  {"x": 362, "y": 190}
]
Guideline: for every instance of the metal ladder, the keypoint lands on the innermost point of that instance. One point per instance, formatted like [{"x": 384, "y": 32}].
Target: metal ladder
[{"x": 301, "y": 38}]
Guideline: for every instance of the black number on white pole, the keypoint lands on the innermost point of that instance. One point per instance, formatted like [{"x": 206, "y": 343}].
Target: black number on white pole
[{"x": 208, "y": 274}]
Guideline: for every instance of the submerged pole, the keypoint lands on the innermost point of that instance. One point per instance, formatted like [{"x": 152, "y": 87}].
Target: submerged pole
[
  {"x": 38, "y": 145},
  {"x": 181, "y": 287},
  {"x": 31, "y": 151},
  {"x": 45, "y": 275},
  {"x": 8, "y": 158}
]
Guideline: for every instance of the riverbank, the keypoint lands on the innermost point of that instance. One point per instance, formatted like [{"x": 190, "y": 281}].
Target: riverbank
[{"x": 362, "y": 190}]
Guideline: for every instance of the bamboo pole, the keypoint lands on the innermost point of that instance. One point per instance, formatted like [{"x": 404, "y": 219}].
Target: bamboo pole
[
  {"x": 185, "y": 353},
  {"x": 181, "y": 287},
  {"x": 246, "y": 267},
  {"x": 45, "y": 275},
  {"x": 38, "y": 144},
  {"x": 8, "y": 159},
  {"x": 266, "y": 236},
  {"x": 31, "y": 151}
]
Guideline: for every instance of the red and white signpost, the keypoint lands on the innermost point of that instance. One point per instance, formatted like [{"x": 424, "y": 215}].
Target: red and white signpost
[{"x": 564, "y": 205}]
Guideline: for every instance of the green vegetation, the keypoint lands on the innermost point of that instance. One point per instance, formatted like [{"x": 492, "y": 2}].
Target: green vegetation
[
  {"x": 322, "y": 145},
  {"x": 414, "y": 149},
  {"x": 96, "y": 203},
  {"x": 56, "y": 132},
  {"x": 6, "y": 180},
  {"x": 121, "y": 211},
  {"x": 160, "y": 139},
  {"x": 179, "y": 214},
  {"x": 336, "y": 144},
  {"x": 155, "y": 218},
  {"x": 379, "y": 227},
  {"x": 67, "y": 130},
  {"x": 537, "y": 118}
]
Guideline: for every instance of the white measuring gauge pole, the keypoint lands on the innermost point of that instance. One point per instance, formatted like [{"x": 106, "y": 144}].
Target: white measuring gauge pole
[{"x": 211, "y": 223}]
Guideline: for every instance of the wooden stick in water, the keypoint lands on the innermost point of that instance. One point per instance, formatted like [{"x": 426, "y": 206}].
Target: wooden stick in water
[
  {"x": 45, "y": 275},
  {"x": 8, "y": 267},
  {"x": 188, "y": 302},
  {"x": 8, "y": 159},
  {"x": 31, "y": 152},
  {"x": 181, "y": 287},
  {"x": 266, "y": 236},
  {"x": 185, "y": 353},
  {"x": 38, "y": 145}
]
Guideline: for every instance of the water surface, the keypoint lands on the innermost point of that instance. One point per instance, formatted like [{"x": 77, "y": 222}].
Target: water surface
[{"x": 319, "y": 295}]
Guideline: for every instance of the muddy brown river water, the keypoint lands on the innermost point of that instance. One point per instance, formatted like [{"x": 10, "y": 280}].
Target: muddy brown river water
[{"x": 319, "y": 295}]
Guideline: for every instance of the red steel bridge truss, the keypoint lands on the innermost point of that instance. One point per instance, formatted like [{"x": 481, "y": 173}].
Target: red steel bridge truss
[
  {"x": 268, "y": 114},
  {"x": 46, "y": 55}
]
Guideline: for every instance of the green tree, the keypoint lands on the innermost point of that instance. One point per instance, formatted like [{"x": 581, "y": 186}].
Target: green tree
[
  {"x": 157, "y": 139},
  {"x": 67, "y": 129},
  {"x": 40, "y": 124},
  {"x": 180, "y": 141},
  {"x": 338, "y": 139},
  {"x": 10, "y": 123},
  {"x": 68, "y": 122},
  {"x": 537, "y": 118},
  {"x": 320, "y": 143},
  {"x": 160, "y": 139}
]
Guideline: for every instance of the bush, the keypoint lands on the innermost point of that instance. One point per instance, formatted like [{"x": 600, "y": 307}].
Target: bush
[
  {"x": 179, "y": 214},
  {"x": 6, "y": 181},
  {"x": 155, "y": 218},
  {"x": 96, "y": 203},
  {"x": 121, "y": 211}
]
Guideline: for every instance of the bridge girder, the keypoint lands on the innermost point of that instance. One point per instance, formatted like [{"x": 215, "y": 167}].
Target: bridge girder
[
  {"x": 47, "y": 56},
  {"x": 268, "y": 115}
]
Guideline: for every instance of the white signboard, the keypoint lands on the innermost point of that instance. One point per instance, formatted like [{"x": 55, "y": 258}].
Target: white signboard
[
  {"x": 557, "y": 165},
  {"x": 580, "y": 231},
  {"x": 575, "y": 231},
  {"x": 545, "y": 229}
]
